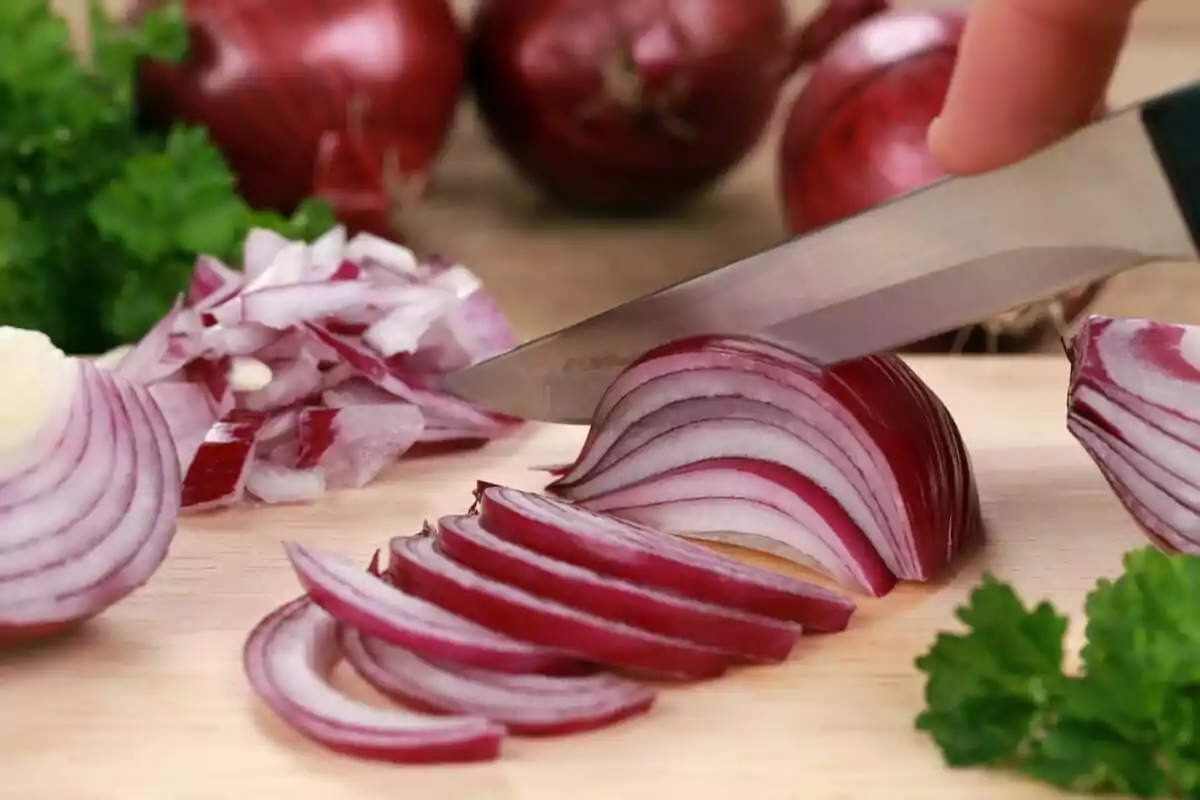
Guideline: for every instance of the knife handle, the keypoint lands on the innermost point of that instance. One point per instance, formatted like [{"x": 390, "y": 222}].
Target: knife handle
[{"x": 1172, "y": 121}]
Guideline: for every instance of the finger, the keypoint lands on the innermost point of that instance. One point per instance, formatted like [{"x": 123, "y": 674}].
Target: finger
[{"x": 1028, "y": 73}]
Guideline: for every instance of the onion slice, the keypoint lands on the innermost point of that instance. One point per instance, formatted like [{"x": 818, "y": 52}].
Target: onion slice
[
  {"x": 419, "y": 567},
  {"x": 287, "y": 659},
  {"x": 649, "y": 557},
  {"x": 862, "y": 472},
  {"x": 89, "y": 488},
  {"x": 1132, "y": 404},
  {"x": 375, "y": 607},
  {"x": 736, "y": 632},
  {"x": 533, "y": 705}
]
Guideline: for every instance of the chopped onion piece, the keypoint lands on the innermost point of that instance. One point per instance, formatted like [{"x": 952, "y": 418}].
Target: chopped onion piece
[
  {"x": 534, "y": 705},
  {"x": 306, "y": 326},
  {"x": 274, "y": 483},
  {"x": 287, "y": 659},
  {"x": 217, "y": 475},
  {"x": 189, "y": 415},
  {"x": 352, "y": 445}
]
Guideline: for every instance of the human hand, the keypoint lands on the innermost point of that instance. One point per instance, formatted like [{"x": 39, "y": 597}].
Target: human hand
[{"x": 1029, "y": 72}]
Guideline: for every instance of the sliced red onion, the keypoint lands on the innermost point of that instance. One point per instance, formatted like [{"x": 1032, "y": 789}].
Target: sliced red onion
[
  {"x": 741, "y": 634},
  {"x": 1132, "y": 404},
  {"x": 88, "y": 519},
  {"x": 377, "y": 608},
  {"x": 533, "y": 705},
  {"x": 288, "y": 658},
  {"x": 217, "y": 475},
  {"x": 755, "y": 503},
  {"x": 419, "y": 567},
  {"x": 649, "y": 557},
  {"x": 352, "y": 445},
  {"x": 898, "y": 482},
  {"x": 304, "y": 325}
]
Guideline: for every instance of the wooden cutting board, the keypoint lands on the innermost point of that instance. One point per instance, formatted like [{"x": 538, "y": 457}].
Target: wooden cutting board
[{"x": 150, "y": 702}]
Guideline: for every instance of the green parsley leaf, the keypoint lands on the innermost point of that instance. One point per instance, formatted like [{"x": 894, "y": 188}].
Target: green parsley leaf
[
  {"x": 990, "y": 689},
  {"x": 101, "y": 220},
  {"x": 1128, "y": 723}
]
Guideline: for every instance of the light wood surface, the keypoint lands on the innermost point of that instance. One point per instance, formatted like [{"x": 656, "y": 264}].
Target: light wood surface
[{"x": 150, "y": 701}]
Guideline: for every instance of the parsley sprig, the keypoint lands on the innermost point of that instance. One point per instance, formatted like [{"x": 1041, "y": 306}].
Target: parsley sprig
[
  {"x": 100, "y": 221},
  {"x": 1128, "y": 722}
]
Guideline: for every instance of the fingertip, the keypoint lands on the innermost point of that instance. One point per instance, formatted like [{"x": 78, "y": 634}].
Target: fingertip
[{"x": 955, "y": 155}]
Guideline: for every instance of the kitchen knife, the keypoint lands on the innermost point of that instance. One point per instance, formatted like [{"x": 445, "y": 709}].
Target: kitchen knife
[{"x": 1122, "y": 191}]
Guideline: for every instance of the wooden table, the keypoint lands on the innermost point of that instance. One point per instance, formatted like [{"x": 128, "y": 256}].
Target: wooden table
[{"x": 150, "y": 701}]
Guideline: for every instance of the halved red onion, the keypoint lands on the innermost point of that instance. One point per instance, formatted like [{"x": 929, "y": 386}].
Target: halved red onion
[
  {"x": 377, "y": 608},
  {"x": 865, "y": 474},
  {"x": 533, "y": 705},
  {"x": 89, "y": 488},
  {"x": 419, "y": 567},
  {"x": 739, "y": 633},
  {"x": 312, "y": 320},
  {"x": 287, "y": 659},
  {"x": 1133, "y": 405},
  {"x": 649, "y": 557}
]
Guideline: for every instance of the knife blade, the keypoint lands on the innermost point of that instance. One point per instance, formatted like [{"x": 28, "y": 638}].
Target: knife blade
[{"x": 1120, "y": 192}]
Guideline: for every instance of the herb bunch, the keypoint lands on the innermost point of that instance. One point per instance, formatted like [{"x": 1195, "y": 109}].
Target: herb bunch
[
  {"x": 101, "y": 220},
  {"x": 1128, "y": 722}
]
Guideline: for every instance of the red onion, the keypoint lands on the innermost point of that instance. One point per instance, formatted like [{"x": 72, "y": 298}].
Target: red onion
[
  {"x": 419, "y": 567},
  {"x": 740, "y": 634},
  {"x": 315, "y": 366},
  {"x": 89, "y": 488},
  {"x": 1132, "y": 404},
  {"x": 627, "y": 105},
  {"x": 647, "y": 557},
  {"x": 368, "y": 83},
  {"x": 287, "y": 660},
  {"x": 858, "y": 470},
  {"x": 535, "y": 705},
  {"x": 856, "y": 136},
  {"x": 377, "y": 608}
]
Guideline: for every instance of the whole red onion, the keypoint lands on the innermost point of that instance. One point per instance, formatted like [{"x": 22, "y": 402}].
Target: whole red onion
[
  {"x": 856, "y": 137},
  {"x": 627, "y": 105},
  {"x": 373, "y": 84}
]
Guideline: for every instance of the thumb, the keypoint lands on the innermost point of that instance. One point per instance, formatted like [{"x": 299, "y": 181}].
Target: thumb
[{"x": 1028, "y": 73}]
